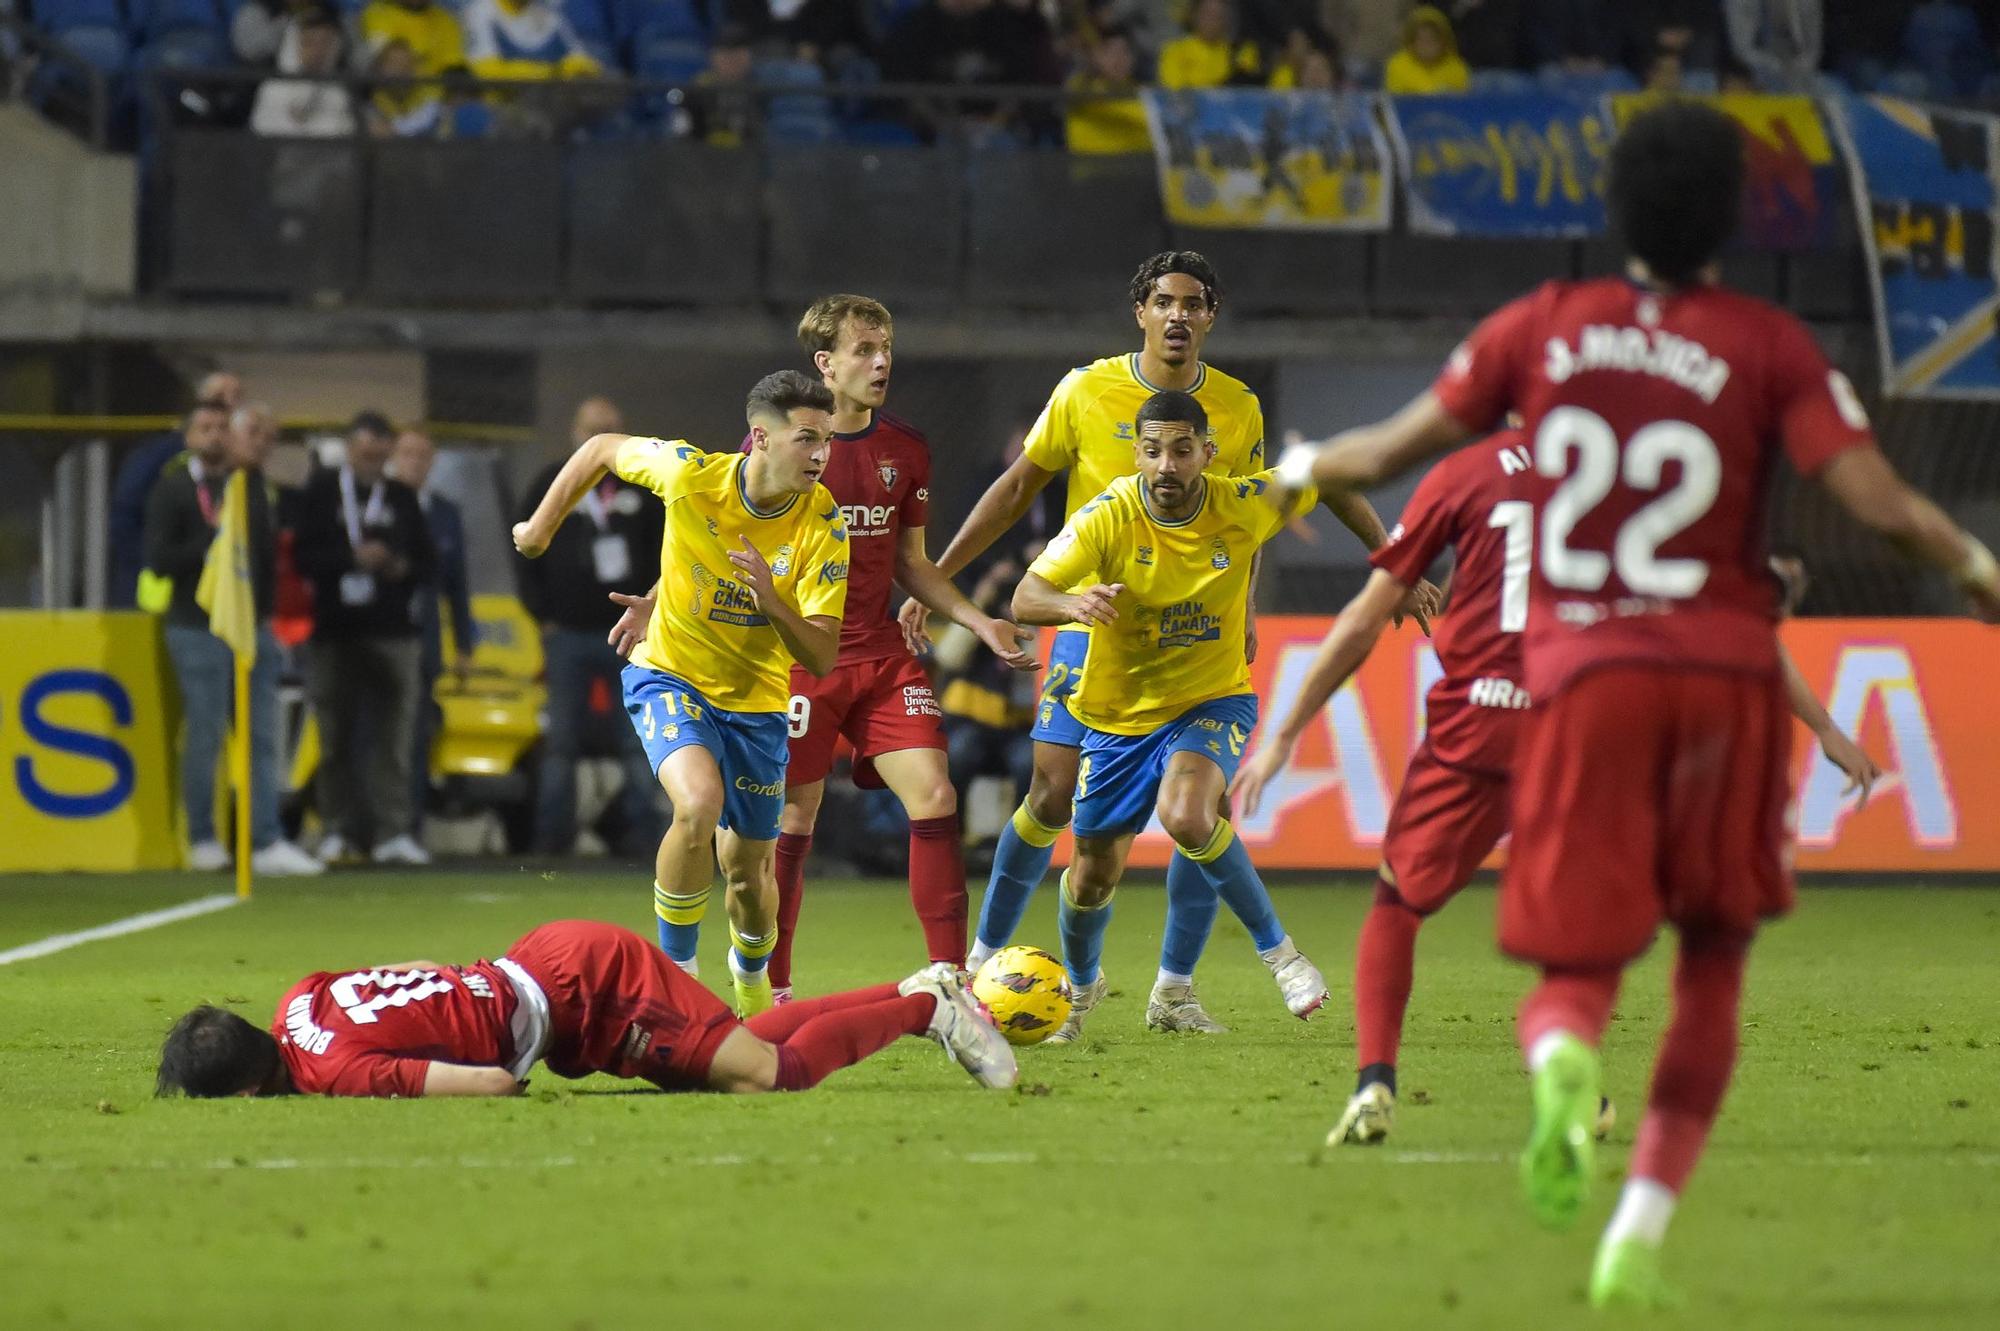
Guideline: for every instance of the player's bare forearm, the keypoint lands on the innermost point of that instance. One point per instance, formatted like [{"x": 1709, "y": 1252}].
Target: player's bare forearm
[
  {"x": 1358, "y": 516},
  {"x": 583, "y": 469},
  {"x": 924, "y": 580},
  {"x": 813, "y": 643},
  {"x": 1036, "y": 601},
  {"x": 1804, "y": 702},
  {"x": 1864, "y": 483},
  {"x": 1362, "y": 458},
  {"x": 1342, "y": 651},
  {"x": 458, "y": 1079},
  {"x": 1003, "y": 505}
]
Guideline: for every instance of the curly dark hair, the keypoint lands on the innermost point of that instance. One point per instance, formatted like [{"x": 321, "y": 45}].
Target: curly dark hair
[
  {"x": 1172, "y": 405},
  {"x": 1187, "y": 262},
  {"x": 1675, "y": 191}
]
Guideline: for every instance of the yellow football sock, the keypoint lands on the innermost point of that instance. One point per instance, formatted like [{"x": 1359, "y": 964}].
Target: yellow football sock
[{"x": 1033, "y": 830}]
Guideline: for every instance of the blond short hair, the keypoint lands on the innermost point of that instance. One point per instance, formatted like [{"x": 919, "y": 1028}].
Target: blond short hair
[{"x": 819, "y": 327}]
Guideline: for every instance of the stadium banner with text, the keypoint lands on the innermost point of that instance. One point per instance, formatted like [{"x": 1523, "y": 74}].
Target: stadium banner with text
[
  {"x": 1502, "y": 164},
  {"x": 1925, "y": 185},
  {"x": 87, "y": 723},
  {"x": 1248, "y": 158},
  {"x": 1792, "y": 185},
  {"x": 1914, "y": 692}
]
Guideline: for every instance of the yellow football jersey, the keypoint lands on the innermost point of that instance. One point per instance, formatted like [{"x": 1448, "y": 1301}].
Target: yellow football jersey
[
  {"x": 705, "y": 627},
  {"x": 1178, "y": 638},
  {"x": 1086, "y": 429}
]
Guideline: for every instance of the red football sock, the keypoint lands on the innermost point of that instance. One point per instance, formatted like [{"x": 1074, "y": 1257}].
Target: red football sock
[
  {"x": 1384, "y": 962},
  {"x": 840, "y": 1037},
  {"x": 1696, "y": 1060},
  {"x": 777, "y": 1024},
  {"x": 792, "y": 851},
  {"x": 1575, "y": 1000},
  {"x": 937, "y": 885}
]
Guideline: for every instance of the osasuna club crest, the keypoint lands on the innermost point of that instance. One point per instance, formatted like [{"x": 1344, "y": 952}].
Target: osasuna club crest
[{"x": 887, "y": 471}]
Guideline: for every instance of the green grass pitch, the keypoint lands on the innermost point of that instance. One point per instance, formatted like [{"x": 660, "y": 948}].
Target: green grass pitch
[{"x": 1134, "y": 1181}]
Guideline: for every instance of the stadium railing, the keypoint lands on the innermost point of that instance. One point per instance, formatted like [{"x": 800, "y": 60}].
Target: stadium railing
[{"x": 79, "y": 89}]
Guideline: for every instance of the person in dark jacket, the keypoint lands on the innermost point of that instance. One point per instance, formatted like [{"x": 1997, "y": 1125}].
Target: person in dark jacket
[
  {"x": 132, "y": 485},
  {"x": 610, "y": 544},
  {"x": 179, "y": 527},
  {"x": 364, "y": 545},
  {"x": 449, "y": 591}
]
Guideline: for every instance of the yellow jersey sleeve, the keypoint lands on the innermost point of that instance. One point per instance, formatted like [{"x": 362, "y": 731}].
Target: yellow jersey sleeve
[
  {"x": 1075, "y": 557},
  {"x": 1256, "y": 499},
  {"x": 1251, "y": 459},
  {"x": 1054, "y": 439},
  {"x": 656, "y": 464},
  {"x": 822, "y": 585}
]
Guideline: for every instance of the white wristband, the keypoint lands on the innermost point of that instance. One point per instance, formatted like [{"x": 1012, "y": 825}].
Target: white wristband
[
  {"x": 1295, "y": 466},
  {"x": 1980, "y": 569}
]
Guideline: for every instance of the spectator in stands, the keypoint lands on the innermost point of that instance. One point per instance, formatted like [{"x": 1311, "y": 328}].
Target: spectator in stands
[
  {"x": 429, "y": 30},
  {"x": 1145, "y": 23},
  {"x": 1367, "y": 30},
  {"x": 1428, "y": 61},
  {"x": 821, "y": 31},
  {"x": 523, "y": 39},
  {"x": 1210, "y": 55},
  {"x": 302, "y": 103},
  {"x": 1663, "y": 72},
  {"x": 125, "y": 526},
  {"x": 610, "y": 544},
  {"x": 1318, "y": 72},
  {"x": 1779, "y": 40},
  {"x": 1289, "y": 61},
  {"x": 449, "y": 589},
  {"x": 1580, "y": 37},
  {"x": 943, "y": 41},
  {"x": 1025, "y": 43},
  {"x": 1488, "y": 32},
  {"x": 257, "y": 31},
  {"x": 1944, "y": 41},
  {"x": 1691, "y": 29},
  {"x": 253, "y": 433},
  {"x": 363, "y": 542},
  {"x": 466, "y": 113},
  {"x": 400, "y": 107},
  {"x": 181, "y": 517},
  {"x": 1862, "y": 39},
  {"x": 1111, "y": 118},
  {"x": 720, "y": 109}
]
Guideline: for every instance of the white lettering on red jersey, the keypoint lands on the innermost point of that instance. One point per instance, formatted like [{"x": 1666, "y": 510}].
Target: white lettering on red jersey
[
  {"x": 1472, "y": 503},
  {"x": 1654, "y": 419},
  {"x": 376, "y": 1032}
]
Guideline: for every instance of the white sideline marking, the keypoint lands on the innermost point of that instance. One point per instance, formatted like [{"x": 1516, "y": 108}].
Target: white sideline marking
[{"x": 131, "y": 924}]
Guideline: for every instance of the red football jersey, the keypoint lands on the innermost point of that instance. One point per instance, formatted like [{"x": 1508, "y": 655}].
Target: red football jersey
[
  {"x": 1472, "y": 502},
  {"x": 375, "y": 1032},
  {"x": 881, "y": 477},
  {"x": 1654, "y": 419}
]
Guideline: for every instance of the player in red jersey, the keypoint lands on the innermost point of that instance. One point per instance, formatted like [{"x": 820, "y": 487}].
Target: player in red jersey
[
  {"x": 878, "y": 696},
  {"x": 1452, "y": 808},
  {"x": 1651, "y": 783},
  {"x": 581, "y": 997}
]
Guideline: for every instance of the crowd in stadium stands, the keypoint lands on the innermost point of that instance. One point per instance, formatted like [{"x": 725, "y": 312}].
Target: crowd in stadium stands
[{"x": 712, "y": 51}]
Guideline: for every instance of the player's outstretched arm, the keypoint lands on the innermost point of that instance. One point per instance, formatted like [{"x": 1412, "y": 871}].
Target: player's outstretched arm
[
  {"x": 1003, "y": 504},
  {"x": 458, "y": 1079},
  {"x": 1038, "y": 601},
  {"x": 1864, "y": 483},
  {"x": 583, "y": 470},
  {"x": 928, "y": 585},
  {"x": 1361, "y": 458},
  {"x": 1340, "y": 654},
  {"x": 633, "y": 620},
  {"x": 1841, "y": 751}
]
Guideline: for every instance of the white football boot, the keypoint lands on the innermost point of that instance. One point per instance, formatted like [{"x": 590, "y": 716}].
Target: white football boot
[
  {"x": 962, "y": 1028},
  {"x": 1298, "y": 980},
  {"x": 1174, "y": 1007},
  {"x": 1371, "y": 1113},
  {"x": 1081, "y": 1002}
]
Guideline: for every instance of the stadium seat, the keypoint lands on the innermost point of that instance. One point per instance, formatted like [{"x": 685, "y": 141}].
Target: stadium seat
[
  {"x": 795, "y": 117},
  {"x": 64, "y": 16},
  {"x": 659, "y": 19},
  {"x": 1500, "y": 80},
  {"x": 1554, "y": 78},
  {"x": 103, "y": 48},
  {"x": 1911, "y": 85},
  {"x": 591, "y": 21},
  {"x": 185, "y": 48},
  {"x": 1943, "y": 40},
  {"x": 668, "y": 59},
  {"x": 153, "y": 19}
]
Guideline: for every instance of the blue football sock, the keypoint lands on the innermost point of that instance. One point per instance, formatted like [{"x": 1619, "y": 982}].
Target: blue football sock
[
  {"x": 1191, "y": 907},
  {"x": 1082, "y": 936},
  {"x": 1225, "y": 863},
  {"x": 680, "y": 921},
  {"x": 750, "y": 955},
  {"x": 1019, "y": 864}
]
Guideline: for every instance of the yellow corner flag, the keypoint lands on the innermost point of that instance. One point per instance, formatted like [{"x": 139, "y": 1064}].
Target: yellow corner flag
[{"x": 224, "y": 591}]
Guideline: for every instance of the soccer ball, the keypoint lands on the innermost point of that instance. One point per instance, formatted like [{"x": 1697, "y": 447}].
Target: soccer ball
[{"x": 1027, "y": 992}]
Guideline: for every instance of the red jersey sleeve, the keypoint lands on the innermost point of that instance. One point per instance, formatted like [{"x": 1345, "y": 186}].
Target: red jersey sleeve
[
  {"x": 1819, "y": 415},
  {"x": 1424, "y": 530},
  {"x": 915, "y": 508},
  {"x": 379, "y": 1076},
  {"x": 1482, "y": 381}
]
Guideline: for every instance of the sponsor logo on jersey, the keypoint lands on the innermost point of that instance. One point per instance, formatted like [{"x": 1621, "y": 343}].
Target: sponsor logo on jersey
[
  {"x": 887, "y": 471},
  {"x": 713, "y": 530},
  {"x": 833, "y": 570},
  {"x": 782, "y": 565},
  {"x": 1679, "y": 360},
  {"x": 745, "y": 784},
  {"x": 1186, "y": 623},
  {"x": 923, "y": 494},
  {"x": 869, "y": 519},
  {"x": 732, "y": 603},
  {"x": 918, "y": 700},
  {"x": 1145, "y": 556},
  {"x": 1125, "y": 431},
  {"x": 1492, "y": 691}
]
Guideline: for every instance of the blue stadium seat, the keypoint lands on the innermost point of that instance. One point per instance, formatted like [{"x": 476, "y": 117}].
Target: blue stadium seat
[
  {"x": 796, "y": 117},
  {"x": 1910, "y": 84},
  {"x": 1554, "y": 78},
  {"x": 683, "y": 19},
  {"x": 668, "y": 59},
  {"x": 153, "y": 19},
  {"x": 62, "y": 16},
  {"x": 590, "y": 20},
  {"x": 102, "y": 47},
  {"x": 1943, "y": 40},
  {"x": 1500, "y": 80},
  {"x": 185, "y": 48}
]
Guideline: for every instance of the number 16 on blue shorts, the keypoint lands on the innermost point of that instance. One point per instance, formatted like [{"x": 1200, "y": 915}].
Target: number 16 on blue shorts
[{"x": 749, "y": 748}]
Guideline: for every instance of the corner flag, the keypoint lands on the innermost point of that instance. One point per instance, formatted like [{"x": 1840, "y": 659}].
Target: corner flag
[{"x": 224, "y": 591}]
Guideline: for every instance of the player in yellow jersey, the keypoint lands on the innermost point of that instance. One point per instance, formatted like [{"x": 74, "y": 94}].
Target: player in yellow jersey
[
  {"x": 1158, "y": 567},
  {"x": 753, "y": 577},
  {"x": 1087, "y": 430}
]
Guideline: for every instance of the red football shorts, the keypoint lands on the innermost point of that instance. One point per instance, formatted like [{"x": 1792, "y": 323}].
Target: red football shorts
[
  {"x": 1445, "y": 821},
  {"x": 618, "y": 1004},
  {"x": 1641, "y": 795},
  {"x": 878, "y": 706}
]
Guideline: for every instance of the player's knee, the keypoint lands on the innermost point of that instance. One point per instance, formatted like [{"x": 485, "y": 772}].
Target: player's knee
[
  {"x": 932, "y": 799},
  {"x": 1050, "y": 794},
  {"x": 697, "y": 811},
  {"x": 1190, "y": 822},
  {"x": 801, "y": 810},
  {"x": 1090, "y": 888}
]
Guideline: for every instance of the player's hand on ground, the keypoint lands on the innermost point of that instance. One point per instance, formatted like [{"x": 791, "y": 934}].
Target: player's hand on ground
[
  {"x": 1257, "y": 772},
  {"x": 756, "y": 571},
  {"x": 1093, "y": 605},
  {"x": 915, "y": 617},
  {"x": 630, "y": 630},
  {"x": 1421, "y": 605},
  {"x": 528, "y": 541},
  {"x": 1844, "y": 753},
  {"x": 1003, "y": 640}
]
